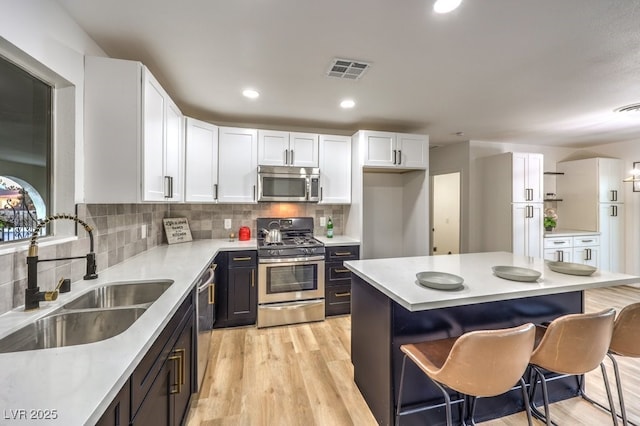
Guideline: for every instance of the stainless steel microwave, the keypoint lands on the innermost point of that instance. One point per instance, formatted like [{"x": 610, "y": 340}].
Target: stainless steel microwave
[{"x": 280, "y": 183}]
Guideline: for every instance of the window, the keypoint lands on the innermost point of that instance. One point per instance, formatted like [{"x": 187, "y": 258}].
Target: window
[{"x": 25, "y": 151}]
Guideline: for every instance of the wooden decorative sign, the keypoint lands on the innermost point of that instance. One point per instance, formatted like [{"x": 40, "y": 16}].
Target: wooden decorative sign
[{"x": 177, "y": 230}]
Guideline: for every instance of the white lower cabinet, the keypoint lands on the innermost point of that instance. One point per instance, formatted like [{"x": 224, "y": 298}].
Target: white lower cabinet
[
  {"x": 237, "y": 165},
  {"x": 201, "y": 162},
  {"x": 335, "y": 169},
  {"x": 527, "y": 229},
  {"x": 611, "y": 226},
  {"x": 584, "y": 249}
]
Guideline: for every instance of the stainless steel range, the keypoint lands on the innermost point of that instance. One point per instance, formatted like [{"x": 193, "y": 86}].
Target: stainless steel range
[{"x": 290, "y": 272}]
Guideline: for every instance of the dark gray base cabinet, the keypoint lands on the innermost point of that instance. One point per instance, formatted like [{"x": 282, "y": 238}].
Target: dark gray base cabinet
[
  {"x": 159, "y": 390},
  {"x": 236, "y": 288},
  {"x": 337, "y": 279},
  {"x": 119, "y": 411}
]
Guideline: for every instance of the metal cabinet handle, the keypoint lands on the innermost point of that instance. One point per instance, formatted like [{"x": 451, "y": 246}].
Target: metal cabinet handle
[
  {"x": 321, "y": 194},
  {"x": 347, "y": 294},
  {"x": 291, "y": 163},
  {"x": 342, "y": 253},
  {"x": 395, "y": 152},
  {"x": 215, "y": 191},
  {"x": 400, "y": 157},
  {"x": 212, "y": 294},
  {"x": 560, "y": 255},
  {"x": 341, "y": 270},
  {"x": 166, "y": 187},
  {"x": 559, "y": 242},
  {"x": 241, "y": 259},
  {"x": 587, "y": 241},
  {"x": 286, "y": 156},
  {"x": 588, "y": 254},
  {"x": 254, "y": 192},
  {"x": 253, "y": 277},
  {"x": 177, "y": 387}
]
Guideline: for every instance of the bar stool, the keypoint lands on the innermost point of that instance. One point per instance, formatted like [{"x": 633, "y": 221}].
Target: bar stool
[
  {"x": 477, "y": 364},
  {"x": 573, "y": 344},
  {"x": 624, "y": 342}
]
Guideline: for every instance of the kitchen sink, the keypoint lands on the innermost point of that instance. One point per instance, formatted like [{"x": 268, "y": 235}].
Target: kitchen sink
[
  {"x": 71, "y": 328},
  {"x": 121, "y": 294}
]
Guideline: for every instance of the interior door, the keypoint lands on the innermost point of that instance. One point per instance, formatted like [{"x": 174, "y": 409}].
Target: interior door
[{"x": 446, "y": 213}]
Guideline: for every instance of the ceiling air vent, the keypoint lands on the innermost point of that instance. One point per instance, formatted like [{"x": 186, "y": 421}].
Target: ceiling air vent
[
  {"x": 629, "y": 108},
  {"x": 347, "y": 68}
]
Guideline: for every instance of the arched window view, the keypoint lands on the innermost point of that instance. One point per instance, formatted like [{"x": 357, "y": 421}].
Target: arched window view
[
  {"x": 25, "y": 141},
  {"x": 20, "y": 208}
]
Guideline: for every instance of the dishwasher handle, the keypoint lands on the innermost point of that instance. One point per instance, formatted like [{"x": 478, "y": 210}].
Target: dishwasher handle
[{"x": 210, "y": 274}]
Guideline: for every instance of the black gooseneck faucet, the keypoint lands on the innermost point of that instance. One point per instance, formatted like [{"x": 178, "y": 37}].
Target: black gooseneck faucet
[{"x": 32, "y": 294}]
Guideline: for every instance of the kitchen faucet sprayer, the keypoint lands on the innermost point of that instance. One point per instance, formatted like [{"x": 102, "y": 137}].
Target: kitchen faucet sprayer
[{"x": 33, "y": 295}]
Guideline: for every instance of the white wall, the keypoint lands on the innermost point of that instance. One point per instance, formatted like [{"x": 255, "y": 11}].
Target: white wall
[{"x": 40, "y": 35}]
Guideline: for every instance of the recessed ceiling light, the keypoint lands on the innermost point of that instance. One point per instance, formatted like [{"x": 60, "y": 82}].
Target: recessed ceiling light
[
  {"x": 348, "y": 103},
  {"x": 250, "y": 93},
  {"x": 446, "y": 6}
]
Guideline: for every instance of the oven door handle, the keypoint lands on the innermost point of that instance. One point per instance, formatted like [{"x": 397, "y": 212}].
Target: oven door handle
[
  {"x": 290, "y": 305},
  {"x": 292, "y": 260}
]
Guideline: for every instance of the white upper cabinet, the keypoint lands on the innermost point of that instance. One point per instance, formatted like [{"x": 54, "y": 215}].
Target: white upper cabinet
[
  {"x": 610, "y": 175},
  {"x": 303, "y": 149},
  {"x": 277, "y": 148},
  {"x": 237, "y": 165},
  {"x": 134, "y": 136},
  {"x": 335, "y": 169},
  {"x": 413, "y": 151},
  {"x": 396, "y": 150},
  {"x": 174, "y": 152},
  {"x": 527, "y": 170},
  {"x": 201, "y": 161}
]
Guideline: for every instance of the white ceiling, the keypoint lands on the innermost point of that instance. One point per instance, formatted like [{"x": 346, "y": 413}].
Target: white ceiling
[{"x": 527, "y": 71}]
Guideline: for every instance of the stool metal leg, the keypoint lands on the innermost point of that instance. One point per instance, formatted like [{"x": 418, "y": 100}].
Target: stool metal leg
[
  {"x": 447, "y": 401},
  {"x": 616, "y": 372},
  {"x": 404, "y": 362},
  {"x": 611, "y": 409},
  {"x": 525, "y": 398},
  {"x": 545, "y": 396}
]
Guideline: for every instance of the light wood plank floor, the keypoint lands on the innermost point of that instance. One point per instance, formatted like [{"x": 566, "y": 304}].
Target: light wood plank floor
[{"x": 302, "y": 375}]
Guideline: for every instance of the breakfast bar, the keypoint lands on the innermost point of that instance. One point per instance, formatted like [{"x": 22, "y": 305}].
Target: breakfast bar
[{"x": 389, "y": 307}]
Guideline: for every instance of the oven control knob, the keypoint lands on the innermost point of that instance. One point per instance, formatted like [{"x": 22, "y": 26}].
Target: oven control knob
[{"x": 274, "y": 252}]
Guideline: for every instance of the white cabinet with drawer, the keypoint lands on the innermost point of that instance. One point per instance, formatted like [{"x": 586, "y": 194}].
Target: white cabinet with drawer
[{"x": 583, "y": 249}]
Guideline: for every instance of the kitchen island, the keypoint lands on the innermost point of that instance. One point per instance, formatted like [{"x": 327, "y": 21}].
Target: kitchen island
[{"x": 389, "y": 308}]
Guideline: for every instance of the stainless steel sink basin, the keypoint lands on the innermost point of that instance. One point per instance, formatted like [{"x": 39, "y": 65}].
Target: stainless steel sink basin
[
  {"x": 71, "y": 328},
  {"x": 121, "y": 294}
]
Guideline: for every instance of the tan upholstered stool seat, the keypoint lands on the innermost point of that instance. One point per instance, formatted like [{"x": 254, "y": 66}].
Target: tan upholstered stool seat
[
  {"x": 573, "y": 344},
  {"x": 477, "y": 364}
]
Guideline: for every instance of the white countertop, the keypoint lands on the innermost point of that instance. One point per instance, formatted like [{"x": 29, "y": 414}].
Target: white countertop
[
  {"x": 79, "y": 382},
  {"x": 338, "y": 240},
  {"x": 569, "y": 233},
  {"x": 396, "y": 278}
]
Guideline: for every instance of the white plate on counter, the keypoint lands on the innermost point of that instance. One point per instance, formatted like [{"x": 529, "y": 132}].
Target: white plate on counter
[
  {"x": 440, "y": 280},
  {"x": 515, "y": 273},
  {"x": 571, "y": 268}
]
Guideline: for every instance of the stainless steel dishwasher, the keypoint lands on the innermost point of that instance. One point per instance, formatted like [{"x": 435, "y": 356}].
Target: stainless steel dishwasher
[{"x": 206, "y": 317}]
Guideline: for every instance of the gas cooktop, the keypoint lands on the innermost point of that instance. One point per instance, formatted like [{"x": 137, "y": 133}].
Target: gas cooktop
[{"x": 296, "y": 238}]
